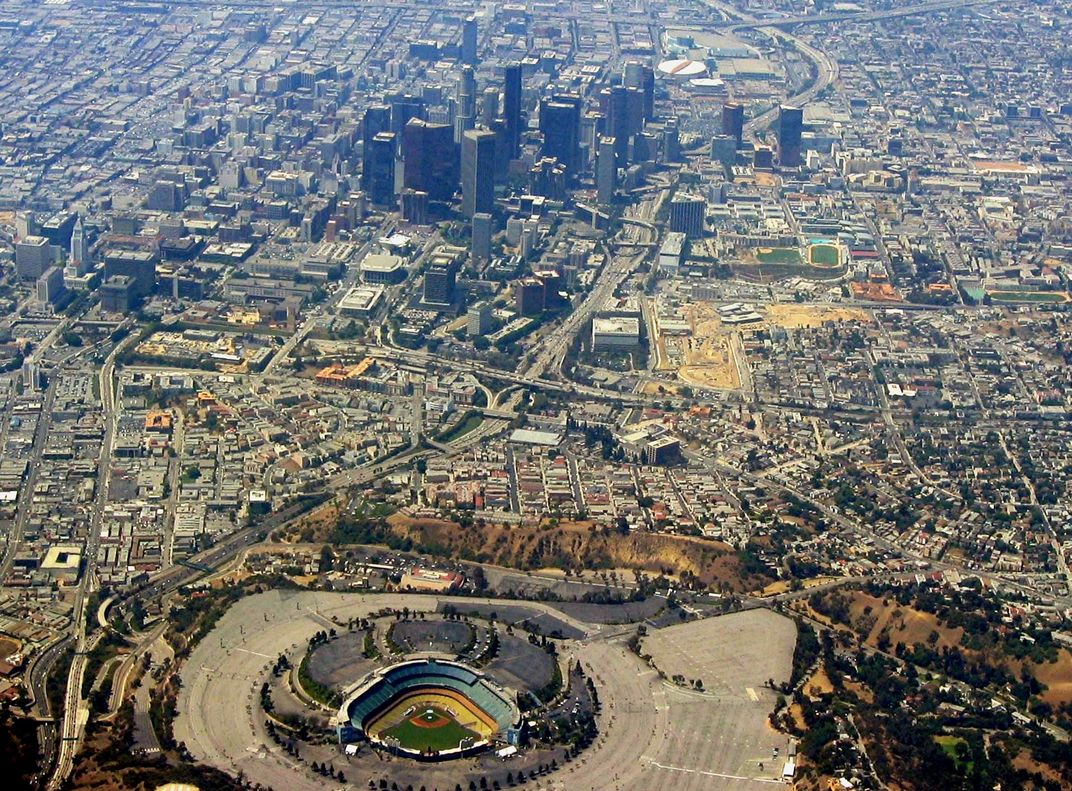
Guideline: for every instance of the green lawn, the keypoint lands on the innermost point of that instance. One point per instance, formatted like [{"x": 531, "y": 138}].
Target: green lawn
[
  {"x": 416, "y": 737},
  {"x": 949, "y": 747},
  {"x": 778, "y": 255},
  {"x": 469, "y": 421},
  {"x": 1028, "y": 296},
  {"x": 824, "y": 255}
]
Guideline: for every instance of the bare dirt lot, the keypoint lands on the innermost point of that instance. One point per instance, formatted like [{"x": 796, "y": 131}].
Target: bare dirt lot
[
  {"x": 793, "y": 316},
  {"x": 709, "y": 355}
]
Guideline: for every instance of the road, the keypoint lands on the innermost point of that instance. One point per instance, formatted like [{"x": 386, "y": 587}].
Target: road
[
  {"x": 76, "y": 709},
  {"x": 551, "y": 349}
]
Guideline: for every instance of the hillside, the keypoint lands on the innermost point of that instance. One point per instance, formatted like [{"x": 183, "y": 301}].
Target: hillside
[{"x": 568, "y": 545}]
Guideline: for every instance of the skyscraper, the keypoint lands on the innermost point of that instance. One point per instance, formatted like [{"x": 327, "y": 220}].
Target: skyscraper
[
  {"x": 642, "y": 77},
  {"x": 478, "y": 171},
  {"x": 430, "y": 159},
  {"x": 32, "y": 257},
  {"x": 606, "y": 170},
  {"x": 489, "y": 106},
  {"x": 405, "y": 106},
  {"x": 671, "y": 141},
  {"x": 482, "y": 227},
  {"x": 560, "y": 125},
  {"x": 723, "y": 150},
  {"x": 512, "y": 106},
  {"x": 464, "y": 103},
  {"x": 439, "y": 280},
  {"x": 618, "y": 121},
  {"x": 377, "y": 119},
  {"x": 79, "y": 247},
  {"x": 469, "y": 40},
  {"x": 380, "y": 159},
  {"x": 415, "y": 206},
  {"x": 733, "y": 121},
  {"x": 687, "y": 215},
  {"x": 790, "y": 126}
]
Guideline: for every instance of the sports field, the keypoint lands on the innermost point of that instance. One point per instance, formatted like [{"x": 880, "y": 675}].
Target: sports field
[
  {"x": 778, "y": 255},
  {"x": 824, "y": 255},
  {"x": 429, "y": 729}
]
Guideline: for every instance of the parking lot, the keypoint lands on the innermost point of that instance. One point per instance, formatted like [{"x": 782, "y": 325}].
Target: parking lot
[{"x": 653, "y": 733}]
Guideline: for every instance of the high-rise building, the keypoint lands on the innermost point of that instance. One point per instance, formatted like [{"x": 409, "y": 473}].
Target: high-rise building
[
  {"x": 634, "y": 110},
  {"x": 478, "y": 171},
  {"x": 790, "y": 128},
  {"x": 470, "y": 32},
  {"x": 548, "y": 177},
  {"x": 26, "y": 224},
  {"x": 415, "y": 206},
  {"x": 79, "y": 252},
  {"x": 530, "y": 296},
  {"x": 380, "y": 159},
  {"x": 687, "y": 215},
  {"x": 733, "y": 122},
  {"x": 479, "y": 320},
  {"x": 502, "y": 150},
  {"x": 430, "y": 159},
  {"x": 464, "y": 103},
  {"x": 618, "y": 121},
  {"x": 642, "y": 77},
  {"x": 58, "y": 228},
  {"x": 167, "y": 195},
  {"x": 115, "y": 294},
  {"x": 405, "y": 107},
  {"x": 606, "y": 170},
  {"x": 465, "y": 92},
  {"x": 489, "y": 106},
  {"x": 481, "y": 232},
  {"x": 50, "y": 288},
  {"x": 439, "y": 281},
  {"x": 671, "y": 142},
  {"x": 32, "y": 257},
  {"x": 138, "y": 265},
  {"x": 560, "y": 125},
  {"x": 512, "y": 106},
  {"x": 724, "y": 150},
  {"x": 377, "y": 119}
]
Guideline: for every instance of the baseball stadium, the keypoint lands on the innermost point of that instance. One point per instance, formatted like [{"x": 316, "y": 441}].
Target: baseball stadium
[{"x": 428, "y": 709}]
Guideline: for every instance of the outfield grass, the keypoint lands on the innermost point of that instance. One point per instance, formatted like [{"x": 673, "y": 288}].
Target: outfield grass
[
  {"x": 778, "y": 255},
  {"x": 422, "y": 737}
]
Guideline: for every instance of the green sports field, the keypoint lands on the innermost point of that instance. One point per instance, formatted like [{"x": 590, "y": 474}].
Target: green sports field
[
  {"x": 778, "y": 255},
  {"x": 824, "y": 255},
  {"x": 431, "y": 729}
]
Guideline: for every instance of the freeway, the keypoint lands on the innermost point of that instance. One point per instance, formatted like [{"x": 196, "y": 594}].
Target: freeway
[
  {"x": 860, "y": 16},
  {"x": 551, "y": 350},
  {"x": 76, "y": 710},
  {"x": 826, "y": 70}
]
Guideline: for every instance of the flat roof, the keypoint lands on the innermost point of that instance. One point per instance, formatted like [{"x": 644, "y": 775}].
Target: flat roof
[
  {"x": 618, "y": 325},
  {"x": 63, "y": 557},
  {"x": 360, "y": 298},
  {"x": 527, "y": 436}
]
